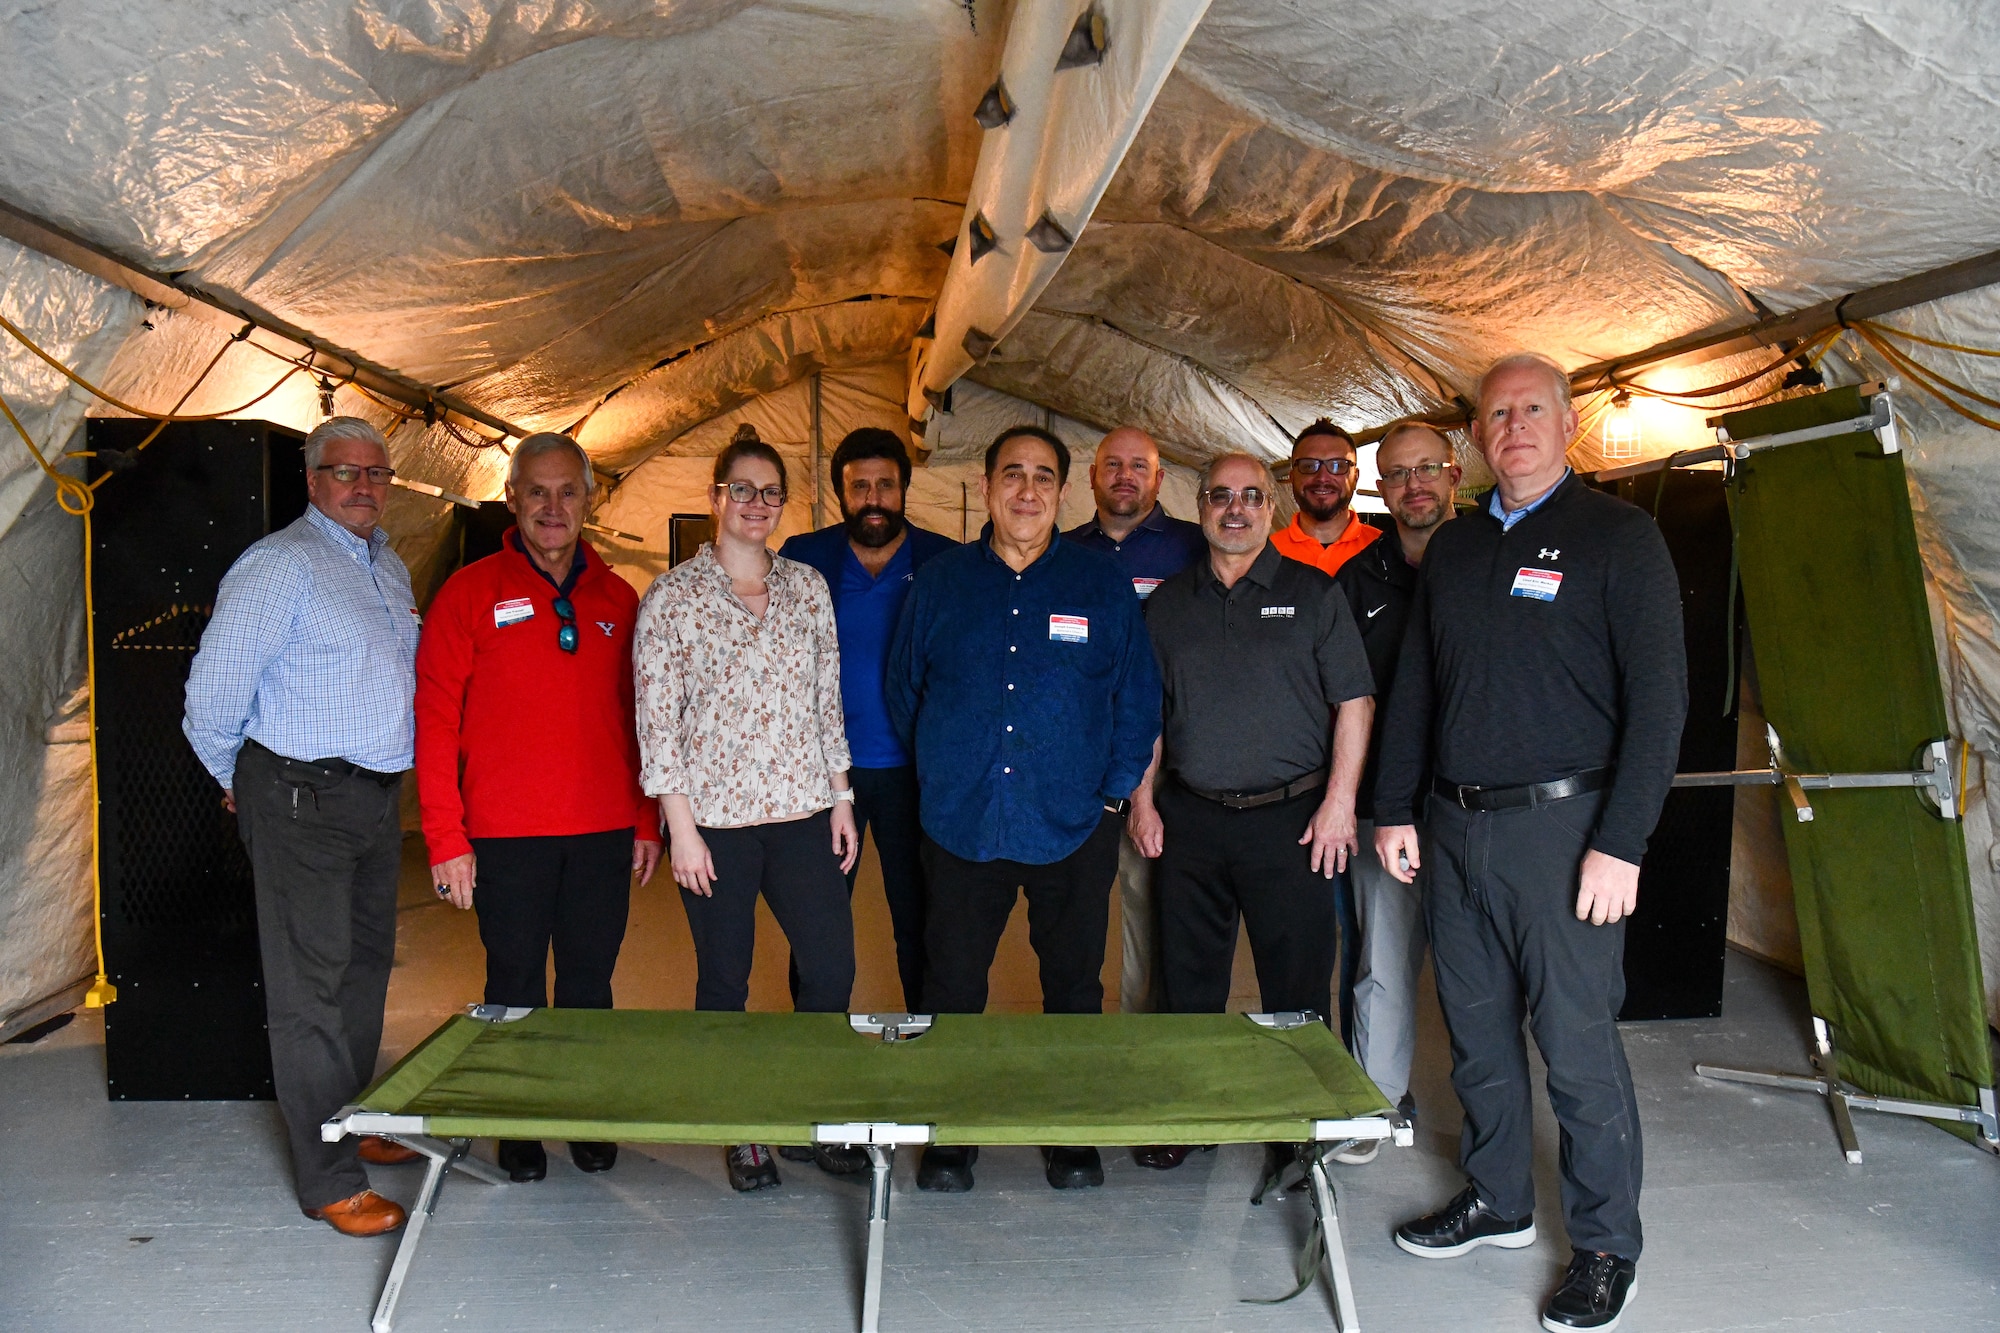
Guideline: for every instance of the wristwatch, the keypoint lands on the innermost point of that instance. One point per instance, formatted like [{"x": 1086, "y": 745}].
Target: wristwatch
[
  {"x": 1119, "y": 808},
  {"x": 847, "y": 795}
]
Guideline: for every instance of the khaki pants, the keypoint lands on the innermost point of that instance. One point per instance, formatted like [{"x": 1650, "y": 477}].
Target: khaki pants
[{"x": 1139, "y": 918}]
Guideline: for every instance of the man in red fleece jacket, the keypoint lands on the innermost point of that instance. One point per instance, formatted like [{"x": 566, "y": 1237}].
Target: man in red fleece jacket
[{"x": 527, "y": 760}]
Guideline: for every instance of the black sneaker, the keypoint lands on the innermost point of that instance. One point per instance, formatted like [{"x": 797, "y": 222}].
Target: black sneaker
[
  {"x": 840, "y": 1161},
  {"x": 1461, "y": 1226},
  {"x": 751, "y": 1167},
  {"x": 522, "y": 1159},
  {"x": 1073, "y": 1168},
  {"x": 1593, "y": 1293},
  {"x": 591, "y": 1158},
  {"x": 946, "y": 1170}
]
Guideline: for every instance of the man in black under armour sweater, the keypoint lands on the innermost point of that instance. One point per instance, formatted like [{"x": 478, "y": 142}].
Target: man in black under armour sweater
[{"x": 1544, "y": 679}]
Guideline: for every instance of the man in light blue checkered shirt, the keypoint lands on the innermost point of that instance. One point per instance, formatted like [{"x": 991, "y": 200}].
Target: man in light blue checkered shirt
[{"x": 299, "y": 703}]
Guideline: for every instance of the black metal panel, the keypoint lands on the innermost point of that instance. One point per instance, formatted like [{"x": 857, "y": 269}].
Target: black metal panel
[
  {"x": 1675, "y": 943},
  {"x": 180, "y": 921},
  {"x": 482, "y": 530}
]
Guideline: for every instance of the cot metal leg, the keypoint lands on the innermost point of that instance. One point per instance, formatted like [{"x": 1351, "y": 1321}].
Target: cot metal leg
[
  {"x": 1345, "y": 1315},
  {"x": 881, "y": 1163},
  {"x": 445, "y": 1157}
]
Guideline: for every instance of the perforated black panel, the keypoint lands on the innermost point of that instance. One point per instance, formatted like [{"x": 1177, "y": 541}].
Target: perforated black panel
[
  {"x": 1676, "y": 941},
  {"x": 180, "y": 917}
]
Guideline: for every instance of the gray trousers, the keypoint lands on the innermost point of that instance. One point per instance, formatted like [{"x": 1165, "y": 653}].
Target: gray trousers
[
  {"x": 1391, "y": 916},
  {"x": 1505, "y": 943},
  {"x": 324, "y": 852},
  {"x": 1139, "y": 931}
]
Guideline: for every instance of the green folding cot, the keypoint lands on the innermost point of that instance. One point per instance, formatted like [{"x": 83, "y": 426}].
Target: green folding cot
[{"x": 876, "y": 1082}]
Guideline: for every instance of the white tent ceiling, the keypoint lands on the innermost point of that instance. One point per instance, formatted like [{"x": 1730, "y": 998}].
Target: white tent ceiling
[{"x": 642, "y": 215}]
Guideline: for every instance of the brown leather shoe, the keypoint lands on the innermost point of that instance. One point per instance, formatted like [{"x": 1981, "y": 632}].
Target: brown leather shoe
[
  {"x": 366, "y": 1214},
  {"x": 378, "y": 1151}
]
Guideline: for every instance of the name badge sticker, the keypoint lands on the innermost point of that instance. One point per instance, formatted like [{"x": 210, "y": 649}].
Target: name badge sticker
[
  {"x": 1540, "y": 584},
  {"x": 1069, "y": 629},
  {"x": 513, "y": 612},
  {"x": 1146, "y": 587}
]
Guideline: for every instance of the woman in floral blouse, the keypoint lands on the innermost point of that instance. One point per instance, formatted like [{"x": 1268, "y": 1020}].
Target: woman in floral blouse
[{"x": 742, "y": 739}]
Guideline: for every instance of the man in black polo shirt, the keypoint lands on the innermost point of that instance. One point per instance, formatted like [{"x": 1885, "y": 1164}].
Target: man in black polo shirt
[
  {"x": 1543, "y": 682},
  {"x": 1418, "y": 480},
  {"x": 1251, "y": 809}
]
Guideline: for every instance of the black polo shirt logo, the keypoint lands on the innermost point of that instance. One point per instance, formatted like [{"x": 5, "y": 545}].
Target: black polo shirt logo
[{"x": 1276, "y": 612}]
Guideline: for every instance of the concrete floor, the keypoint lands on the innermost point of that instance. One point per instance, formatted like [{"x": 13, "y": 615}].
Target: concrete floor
[{"x": 135, "y": 1216}]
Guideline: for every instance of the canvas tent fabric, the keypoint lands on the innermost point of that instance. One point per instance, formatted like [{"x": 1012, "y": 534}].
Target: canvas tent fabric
[{"x": 645, "y": 219}]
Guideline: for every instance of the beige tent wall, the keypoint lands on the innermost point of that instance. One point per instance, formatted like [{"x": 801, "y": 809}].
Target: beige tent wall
[{"x": 47, "y": 956}]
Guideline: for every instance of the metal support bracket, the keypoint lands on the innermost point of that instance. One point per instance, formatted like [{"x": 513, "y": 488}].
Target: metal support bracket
[
  {"x": 891, "y": 1027},
  {"x": 1842, "y": 1098},
  {"x": 1933, "y": 781},
  {"x": 497, "y": 1013},
  {"x": 1880, "y": 422},
  {"x": 871, "y": 1133}
]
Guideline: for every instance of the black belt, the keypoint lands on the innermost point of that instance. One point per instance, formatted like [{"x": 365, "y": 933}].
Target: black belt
[
  {"x": 1237, "y": 800},
  {"x": 1514, "y": 798},
  {"x": 332, "y": 768}
]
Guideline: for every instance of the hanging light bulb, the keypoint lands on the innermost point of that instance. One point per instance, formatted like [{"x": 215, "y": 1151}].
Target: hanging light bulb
[
  {"x": 1621, "y": 428},
  {"x": 325, "y": 397}
]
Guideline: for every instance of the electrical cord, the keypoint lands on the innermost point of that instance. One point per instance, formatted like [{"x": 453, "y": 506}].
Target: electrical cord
[
  {"x": 79, "y": 499},
  {"x": 1932, "y": 382}
]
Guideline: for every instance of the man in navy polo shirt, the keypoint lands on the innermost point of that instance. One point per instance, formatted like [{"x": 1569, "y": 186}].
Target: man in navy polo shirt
[
  {"x": 1022, "y": 679},
  {"x": 868, "y": 560},
  {"x": 1134, "y": 529}
]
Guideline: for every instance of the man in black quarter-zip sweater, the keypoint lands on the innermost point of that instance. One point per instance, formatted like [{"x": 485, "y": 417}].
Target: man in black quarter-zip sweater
[{"x": 1544, "y": 679}]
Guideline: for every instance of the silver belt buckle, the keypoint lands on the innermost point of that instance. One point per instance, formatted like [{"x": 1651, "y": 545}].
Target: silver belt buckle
[{"x": 1463, "y": 804}]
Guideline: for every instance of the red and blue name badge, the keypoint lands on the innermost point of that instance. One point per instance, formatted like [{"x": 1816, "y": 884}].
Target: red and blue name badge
[
  {"x": 1540, "y": 584},
  {"x": 513, "y": 612},
  {"x": 1069, "y": 629},
  {"x": 1146, "y": 587}
]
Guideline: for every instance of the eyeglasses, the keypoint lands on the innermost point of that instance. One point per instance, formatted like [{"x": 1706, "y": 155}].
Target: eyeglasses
[
  {"x": 347, "y": 473},
  {"x": 1338, "y": 467},
  {"x": 743, "y": 493},
  {"x": 1221, "y": 497},
  {"x": 1398, "y": 476},
  {"x": 566, "y": 636}
]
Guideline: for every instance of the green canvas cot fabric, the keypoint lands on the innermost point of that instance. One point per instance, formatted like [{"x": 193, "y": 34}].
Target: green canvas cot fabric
[
  {"x": 1834, "y": 588},
  {"x": 635, "y": 1075}
]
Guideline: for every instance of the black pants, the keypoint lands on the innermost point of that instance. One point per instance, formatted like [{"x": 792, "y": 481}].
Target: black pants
[
  {"x": 572, "y": 893},
  {"x": 885, "y": 799},
  {"x": 1069, "y": 909},
  {"x": 792, "y": 864},
  {"x": 1219, "y": 863},
  {"x": 1500, "y": 900},
  {"x": 324, "y": 853}
]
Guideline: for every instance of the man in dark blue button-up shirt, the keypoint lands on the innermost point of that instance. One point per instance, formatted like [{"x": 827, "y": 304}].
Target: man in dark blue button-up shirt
[{"x": 1022, "y": 680}]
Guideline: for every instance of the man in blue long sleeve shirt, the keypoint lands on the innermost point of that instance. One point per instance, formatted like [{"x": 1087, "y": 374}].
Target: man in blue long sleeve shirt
[
  {"x": 299, "y": 705},
  {"x": 1022, "y": 680}
]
